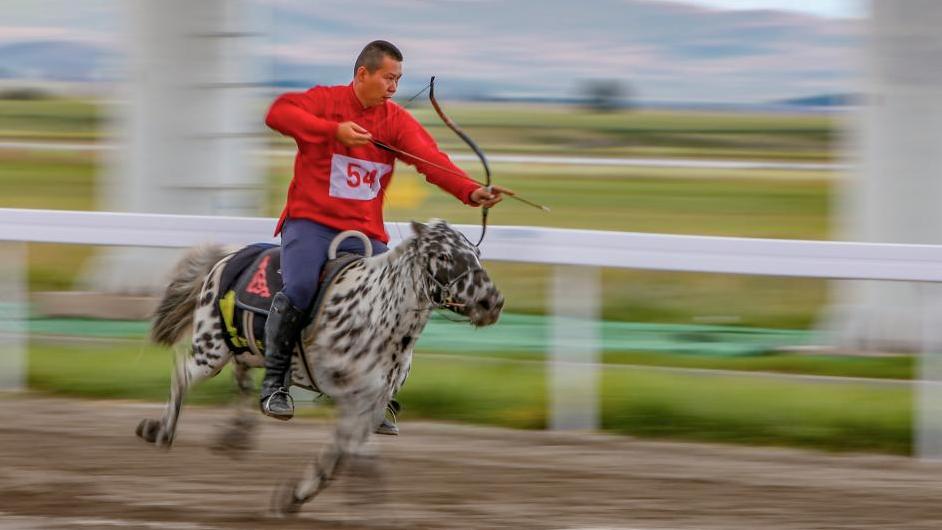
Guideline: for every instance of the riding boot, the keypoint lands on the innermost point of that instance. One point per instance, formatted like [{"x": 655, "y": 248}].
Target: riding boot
[{"x": 282, "y": 330}]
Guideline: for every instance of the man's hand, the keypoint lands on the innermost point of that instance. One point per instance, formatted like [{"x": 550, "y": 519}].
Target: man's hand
[
  {"x": 487, "y": 199},
  {"x": 352, "y": 135}
]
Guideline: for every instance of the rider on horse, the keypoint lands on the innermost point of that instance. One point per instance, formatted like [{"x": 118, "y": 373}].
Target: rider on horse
[{"x": 343, "y": 167}]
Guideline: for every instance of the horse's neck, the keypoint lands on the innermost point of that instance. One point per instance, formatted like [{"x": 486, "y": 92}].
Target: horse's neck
[
  {"x": 397, "y": 273},
  {"x": 394, "y": 289}
]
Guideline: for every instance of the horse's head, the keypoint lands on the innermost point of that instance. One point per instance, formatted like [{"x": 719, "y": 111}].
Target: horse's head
[{"x": 455, "y": 278}]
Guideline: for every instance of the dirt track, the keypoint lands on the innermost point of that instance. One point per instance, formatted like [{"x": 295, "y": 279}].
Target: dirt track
[{"x": 77, "y": 464}]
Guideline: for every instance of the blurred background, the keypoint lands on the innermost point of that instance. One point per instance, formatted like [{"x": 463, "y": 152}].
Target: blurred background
[{"x": 768, "y": 119}]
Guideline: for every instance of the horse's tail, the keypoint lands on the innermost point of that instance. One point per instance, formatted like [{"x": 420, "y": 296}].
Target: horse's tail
[{"x": 175, "y": 313}]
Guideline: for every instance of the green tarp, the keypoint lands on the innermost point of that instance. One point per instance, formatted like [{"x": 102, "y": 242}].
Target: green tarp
[{"x": 521, "y": 334}]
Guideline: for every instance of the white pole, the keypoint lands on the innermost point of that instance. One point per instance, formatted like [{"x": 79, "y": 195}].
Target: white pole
[
  {"x": 892, "y": 194},
  {"x": 573, "y": 378},
  {"x": 188, "y": 130},
  {"x": 13, "y": 316},
  {"x": 927, "y": 413}
]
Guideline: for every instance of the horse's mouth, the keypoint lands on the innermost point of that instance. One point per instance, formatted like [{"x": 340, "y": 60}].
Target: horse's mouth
[
  {"x": 484, "y": 311},
  {"x": 481, "y": 317},
  {"x": 486, "y": 320}
]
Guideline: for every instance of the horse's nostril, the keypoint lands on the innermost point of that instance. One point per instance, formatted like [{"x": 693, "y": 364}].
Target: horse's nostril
[{"x": 485, "y": 304}]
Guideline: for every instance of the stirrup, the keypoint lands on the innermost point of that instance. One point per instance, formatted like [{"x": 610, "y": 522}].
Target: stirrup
[
  {"x": 389, "y": 427},
  {"x": 266, "y": 409}
]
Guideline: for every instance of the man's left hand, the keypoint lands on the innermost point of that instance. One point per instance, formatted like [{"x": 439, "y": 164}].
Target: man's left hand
[{"x": 487, "y": 199}]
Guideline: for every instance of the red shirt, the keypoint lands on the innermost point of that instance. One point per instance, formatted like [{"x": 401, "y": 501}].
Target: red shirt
[{"x": 344, "y": 187}]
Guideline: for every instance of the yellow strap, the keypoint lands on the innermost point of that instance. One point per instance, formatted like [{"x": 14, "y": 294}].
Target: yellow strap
[{"x": 227, "y": 307}]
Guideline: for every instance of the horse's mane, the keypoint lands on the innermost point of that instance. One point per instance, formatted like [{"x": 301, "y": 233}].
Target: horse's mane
[{"x": 399, "y": 250}]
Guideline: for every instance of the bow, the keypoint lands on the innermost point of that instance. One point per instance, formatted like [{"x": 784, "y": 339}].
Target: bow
[{"x": 474, "y": 147}]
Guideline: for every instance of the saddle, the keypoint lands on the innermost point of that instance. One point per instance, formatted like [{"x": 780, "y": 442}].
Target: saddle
[{"x": 249, "y": 281}]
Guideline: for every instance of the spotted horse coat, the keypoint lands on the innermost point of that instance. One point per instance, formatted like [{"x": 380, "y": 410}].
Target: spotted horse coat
[{"x": 358, "y": 346}]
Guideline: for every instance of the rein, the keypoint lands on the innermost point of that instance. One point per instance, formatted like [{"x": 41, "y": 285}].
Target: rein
[{"x": 444, "y": 303}]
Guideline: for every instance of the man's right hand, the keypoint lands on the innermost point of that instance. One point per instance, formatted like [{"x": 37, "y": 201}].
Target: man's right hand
[{"x": 352, "y": 135}]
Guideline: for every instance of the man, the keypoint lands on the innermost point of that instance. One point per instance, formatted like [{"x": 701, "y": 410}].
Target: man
[{"x": 340, "y": 180}]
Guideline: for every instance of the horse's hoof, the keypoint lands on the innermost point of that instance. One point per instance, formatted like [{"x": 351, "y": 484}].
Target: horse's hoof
[
  {"x": 147, "y": 430},
  {"x": 164, "y": 440},
  {"x": 364, "y": 482},
  {"x": 284, "y": 503},
  {"x": 232, "y": 443},
  {"x": 388, "y": 428}
]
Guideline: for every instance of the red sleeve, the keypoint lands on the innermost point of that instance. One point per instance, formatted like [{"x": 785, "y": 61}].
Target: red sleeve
[
  {"x": 297, "y": 114},
  {"x": 413, "y": 138}
]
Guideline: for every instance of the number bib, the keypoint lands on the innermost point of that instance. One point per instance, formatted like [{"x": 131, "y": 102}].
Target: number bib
[{"x": 353, "y": 178}]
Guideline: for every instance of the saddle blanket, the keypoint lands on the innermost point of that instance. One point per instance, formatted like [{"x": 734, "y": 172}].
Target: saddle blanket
[{"x": 248, "y": 283}]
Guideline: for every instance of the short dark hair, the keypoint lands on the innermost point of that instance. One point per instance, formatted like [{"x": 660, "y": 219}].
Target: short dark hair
[{"x": 372, "y": 55}]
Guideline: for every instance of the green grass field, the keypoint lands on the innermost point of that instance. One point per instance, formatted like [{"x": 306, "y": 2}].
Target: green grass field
[
  {"x": 50, "y": 119},
  {"x": 505, "y": 128},
  {"x": 730, "y": 409},
  {"x": 559, "y": 130}
]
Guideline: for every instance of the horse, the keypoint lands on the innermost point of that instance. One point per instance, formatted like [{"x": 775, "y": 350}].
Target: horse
[{"x": 356, "y": 349}]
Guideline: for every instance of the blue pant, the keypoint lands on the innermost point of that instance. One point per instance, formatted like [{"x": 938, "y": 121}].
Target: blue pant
[{"x": 304, "y": 247}]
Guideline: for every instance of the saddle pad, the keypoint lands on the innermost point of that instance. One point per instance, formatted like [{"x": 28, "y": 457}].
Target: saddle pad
[
  {"x": 240, "y": 260},
  {"x": 256, "y": 285},
  {"x": 259, "y": 282}
]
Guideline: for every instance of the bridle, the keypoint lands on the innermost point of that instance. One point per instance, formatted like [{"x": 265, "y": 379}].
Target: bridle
[{"x": 445, "y": 300}]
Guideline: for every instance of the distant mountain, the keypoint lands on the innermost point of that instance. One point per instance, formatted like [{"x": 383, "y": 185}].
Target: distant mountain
[
  {"x": 54, "y": 61},
  {"x": 824, "y": 100},
  {"x": 526, "y": 49},
  {"x": 296, "y": 75},
  {"x": 303, "y": 75},
  {"x": 667, "y": 51}
]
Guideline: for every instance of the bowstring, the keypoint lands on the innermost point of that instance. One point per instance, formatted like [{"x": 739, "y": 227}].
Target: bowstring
[
  {"x": 392, "y": 149},
  {"x": 388, "y": 148},
  {"x": 405, "y": 106}
]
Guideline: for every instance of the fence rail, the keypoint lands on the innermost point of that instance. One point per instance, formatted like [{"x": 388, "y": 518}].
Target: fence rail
[{"x": 551, "y": 246}]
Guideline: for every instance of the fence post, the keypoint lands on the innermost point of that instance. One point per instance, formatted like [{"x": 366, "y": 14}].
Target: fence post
[
  {"x": 573, "y": 374},
  {"x": 13, "y": 332},
  {"x": 927, "y": 399}
]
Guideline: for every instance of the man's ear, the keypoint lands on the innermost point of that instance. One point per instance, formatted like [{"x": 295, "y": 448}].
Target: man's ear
[
  {"x": 418, "y": 228},
  {"x": 361, "y": 73}
]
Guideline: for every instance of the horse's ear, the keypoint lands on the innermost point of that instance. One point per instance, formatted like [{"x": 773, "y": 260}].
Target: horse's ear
[{"x": 418, "y": 228}]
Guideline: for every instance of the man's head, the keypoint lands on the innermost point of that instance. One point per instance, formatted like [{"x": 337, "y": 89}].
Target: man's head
[{"x": 376, "y": 73}]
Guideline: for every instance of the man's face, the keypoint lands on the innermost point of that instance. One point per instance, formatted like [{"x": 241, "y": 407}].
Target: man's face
[{"x": 376, "y": 87}]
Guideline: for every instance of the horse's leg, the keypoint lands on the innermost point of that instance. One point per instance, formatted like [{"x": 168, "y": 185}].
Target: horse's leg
[
  {"x": 354, "y": 424},
  {"x": 208, "y": 355},
  {"x": 238, "y": 436}
]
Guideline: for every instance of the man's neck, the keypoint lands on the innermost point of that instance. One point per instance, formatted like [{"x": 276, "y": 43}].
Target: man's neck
[{"x": 356, "y": 92}]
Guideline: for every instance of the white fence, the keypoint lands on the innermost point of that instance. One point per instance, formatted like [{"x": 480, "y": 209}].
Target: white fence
[{"x": 576, "y": 254}]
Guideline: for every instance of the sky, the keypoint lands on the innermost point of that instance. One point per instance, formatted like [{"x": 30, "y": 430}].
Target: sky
[
  {"x": 823, "y": 8},
  {"x": 57, "y": 12}
]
